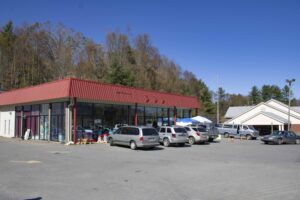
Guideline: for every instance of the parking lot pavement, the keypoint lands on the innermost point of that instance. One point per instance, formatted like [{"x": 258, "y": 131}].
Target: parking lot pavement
[{"x": 228, "y": 170}]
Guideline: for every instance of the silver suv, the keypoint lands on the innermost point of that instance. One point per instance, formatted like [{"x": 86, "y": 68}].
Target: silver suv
[
  {"x": 197, "y": 134},
  {"x": 135, "y": 137},
  {"x": 172, "y": 135}
]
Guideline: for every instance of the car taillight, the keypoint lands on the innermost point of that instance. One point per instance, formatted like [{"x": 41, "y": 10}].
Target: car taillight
[
  {"x": 198, "y": 133},
  {"x": 142, "y": 139},
  {"x": 173, "y": 135}
]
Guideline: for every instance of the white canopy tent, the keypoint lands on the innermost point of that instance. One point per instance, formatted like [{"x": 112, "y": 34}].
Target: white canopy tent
[
  {"x": 201, "y": 119},
  {"x": 183, "y": 123}
]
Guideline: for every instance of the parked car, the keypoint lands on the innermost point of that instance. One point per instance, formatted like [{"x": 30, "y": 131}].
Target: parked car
[
  {"x": 281, "y": 137},
  {"x": 237, "y": 131},
  {"x": 212, "y": 132},
  {"x": 135, "y": 137},
  {"x": 172, "y": 135},
  {"x": 196, "y": 134}
]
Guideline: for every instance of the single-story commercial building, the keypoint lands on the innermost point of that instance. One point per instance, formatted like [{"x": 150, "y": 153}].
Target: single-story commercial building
[
  {"x": 266, "y": 116},
  {"x": 51, "y": 109}
]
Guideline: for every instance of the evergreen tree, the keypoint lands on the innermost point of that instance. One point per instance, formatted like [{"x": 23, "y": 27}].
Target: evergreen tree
[
  {"x": 223, "y": 104},
  {"x": 254, "y": 96},
  {"x": 120, "y": 76},
  {"x": 266, "y": 92},
  {"x": 276, "y": 93}
]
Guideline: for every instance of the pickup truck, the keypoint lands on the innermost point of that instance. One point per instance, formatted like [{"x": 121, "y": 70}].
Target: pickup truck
[{"x": 238, "y": 131}]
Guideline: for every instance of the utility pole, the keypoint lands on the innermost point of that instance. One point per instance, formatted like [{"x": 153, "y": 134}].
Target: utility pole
[
  {"x": 218, "y": 99},
  {"x": 289, "y": 82}
]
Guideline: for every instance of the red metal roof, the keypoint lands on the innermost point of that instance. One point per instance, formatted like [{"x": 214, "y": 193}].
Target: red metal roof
[
  {"x": 47, "y": 91},
  {"x": 95, "y": 91}
]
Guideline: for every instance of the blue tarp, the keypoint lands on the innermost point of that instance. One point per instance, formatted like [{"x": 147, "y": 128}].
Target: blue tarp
[{"x": 186, "y": 120}]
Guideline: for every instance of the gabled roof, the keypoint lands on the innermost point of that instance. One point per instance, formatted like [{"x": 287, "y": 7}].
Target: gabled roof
[
  {"x": 95, "y": 91},
  {"x": 270, "y": 115},
  {"x": 241, "y": 113},
  {"x": 284, "y": 105},
  {"x": 236, "y": 110}
]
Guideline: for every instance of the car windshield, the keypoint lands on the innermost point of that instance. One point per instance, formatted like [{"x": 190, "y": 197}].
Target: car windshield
[
  {"x": 251, "y": 127},
  {"x": 149, "y": 131},
  {"x": 277, "y": 133},
  {"x": 179, "y": 130}
]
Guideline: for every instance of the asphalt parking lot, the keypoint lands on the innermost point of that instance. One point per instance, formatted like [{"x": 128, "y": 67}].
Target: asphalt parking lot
[{"x": 218, "y": 171}]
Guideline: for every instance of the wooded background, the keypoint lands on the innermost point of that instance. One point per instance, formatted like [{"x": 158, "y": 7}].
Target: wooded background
[{"x": 31, "y": 54}]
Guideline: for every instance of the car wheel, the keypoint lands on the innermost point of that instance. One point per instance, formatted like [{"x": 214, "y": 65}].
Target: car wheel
[
  {"x": 210, "y": 139},
  {"x": 248, "y": 137},
  {"x": 166, "y": 142},
  {"x": 280, "y": 142},
  {"x": 111, "y": 142},
  {"x": 133, "y": 145},
  {"x": 266, "y": 142},
  {"x": 297, "y": 141},
  {"x": 226, "y": 135},
  {"x": 191, "y": 140}
]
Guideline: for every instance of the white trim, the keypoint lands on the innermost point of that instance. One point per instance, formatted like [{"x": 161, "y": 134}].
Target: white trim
[
  {"x": 265, "y": 114},
  {"x": 278, "y": 102}
]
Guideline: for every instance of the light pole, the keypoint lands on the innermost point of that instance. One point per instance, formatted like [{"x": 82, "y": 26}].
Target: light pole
[
  {"x": 289, "y": 82},
  {"x": 218, "y": 99}
]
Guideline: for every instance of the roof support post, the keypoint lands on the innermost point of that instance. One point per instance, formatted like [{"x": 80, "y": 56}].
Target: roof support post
[
  {"x": 67, "y": 122},
  {"x": 168, "y": 113},
  {"x": 49, "y": 121},
  {"x": 144, "y": 116},
  {"x": 20, "y": 134},
  {"x": 74, "y": 120},
  {"x": 272, "y": 129},
  {"x": 175, "y": 115},
  {"x": 135, "y": 115}
]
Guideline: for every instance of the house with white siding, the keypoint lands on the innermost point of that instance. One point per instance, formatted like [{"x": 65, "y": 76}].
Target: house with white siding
[{"x": 265, "y": 116}]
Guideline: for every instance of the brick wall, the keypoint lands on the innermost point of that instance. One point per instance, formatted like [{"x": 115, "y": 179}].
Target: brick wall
[{"x": 296, "y": 128}]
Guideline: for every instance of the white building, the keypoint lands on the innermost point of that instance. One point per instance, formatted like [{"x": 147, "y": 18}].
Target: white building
[
  {"x": 7, "y": 121},
  {"x": 266, "y": 116}
]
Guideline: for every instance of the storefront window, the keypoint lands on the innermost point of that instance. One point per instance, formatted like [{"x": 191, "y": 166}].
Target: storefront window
[
  {"x": 57, "y": 122},
  {"x": 26, "y": 108},
  {"x": 102, "y": 115},
  {"x": 44, "y": 127},
  {"x": 150, "y": 115},
  {"x": 141, "y": 115},
  {"x": 84, "y": 109},
  {"x": 162, "y": 116}
]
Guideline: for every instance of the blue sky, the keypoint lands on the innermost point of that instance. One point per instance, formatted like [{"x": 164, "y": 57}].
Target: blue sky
[{"x": 244, "y": 43}]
